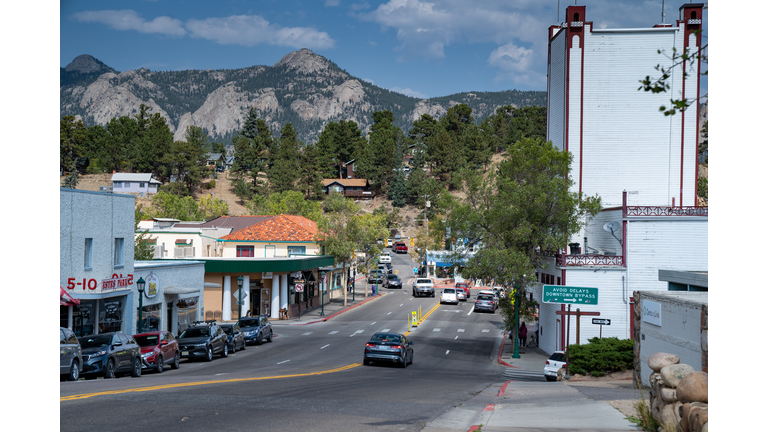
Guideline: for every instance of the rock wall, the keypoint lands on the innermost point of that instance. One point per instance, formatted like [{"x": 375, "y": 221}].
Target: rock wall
[{"x": 678, "y": 394}]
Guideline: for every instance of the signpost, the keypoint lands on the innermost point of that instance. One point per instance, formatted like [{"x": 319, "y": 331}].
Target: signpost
[{"x": 602, "y": 322}]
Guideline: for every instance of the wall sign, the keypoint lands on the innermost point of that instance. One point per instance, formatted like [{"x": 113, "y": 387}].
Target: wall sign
[
  {"x": 118, "y": 282},
  {"x": 153, "y": 282},
  {"x": 652, "y": 312},
  {"x": 266, "y": 275}
]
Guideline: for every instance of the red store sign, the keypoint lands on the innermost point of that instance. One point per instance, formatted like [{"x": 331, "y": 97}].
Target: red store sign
[{"x": 114, "y": 283}]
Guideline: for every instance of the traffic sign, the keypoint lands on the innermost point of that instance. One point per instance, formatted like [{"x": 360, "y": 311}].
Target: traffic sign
[
  {"x": 299, "y": 287},
  {"x": 569, "y": 294},
  {"x": 601, "y": 321}
]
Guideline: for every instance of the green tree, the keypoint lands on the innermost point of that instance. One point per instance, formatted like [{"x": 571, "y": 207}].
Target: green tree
[
  {"x": 152, "y": 144},
  {"x": 72, "y": 141},
  {"x": 339, "y": 143},
  {"x": 186, "y": 159},
  {"x": 310, "y": 173},
  {"x": 527, "y": 122},
  {"x": 211, "y": 208},
  {"x": 252, "y": 145},
  {"x": 71, "y": 180},
  {"x": 384, "y": 150},
  {"x": 165, "y": 205},
  {"x": 142, "y": 248},
  {"x": 123, "y": 132},
  {"x": 284, "y": 172},
  {"x": 447, "y": 157},
  {"x": 288, "y": 202}
]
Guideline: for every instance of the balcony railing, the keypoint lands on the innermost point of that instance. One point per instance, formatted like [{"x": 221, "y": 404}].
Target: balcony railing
[
  {"x": 666, "y": 211},
  {"x": 592, "y": 260}
]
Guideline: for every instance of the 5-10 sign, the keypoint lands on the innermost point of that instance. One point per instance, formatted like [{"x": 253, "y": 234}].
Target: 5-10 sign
[{"x": 91, "y": 284}]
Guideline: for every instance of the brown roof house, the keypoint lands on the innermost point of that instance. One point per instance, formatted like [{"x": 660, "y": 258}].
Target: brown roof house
[{"x": 352, "y": 188}]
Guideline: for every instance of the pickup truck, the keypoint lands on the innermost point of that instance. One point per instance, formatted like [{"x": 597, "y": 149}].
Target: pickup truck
[
  {"x": 464, "y": 286},
  {"x": 423, "y": 286},
  {"x": 400, "y": 247}
]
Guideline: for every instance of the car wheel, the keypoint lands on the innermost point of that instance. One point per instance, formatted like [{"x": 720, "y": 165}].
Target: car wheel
[
  {"x": 109, "y": 372},
  {"x": 411, "y": 362},
  {"x": 259, "y": 339},
  {"x": 160, "y": 365},
  {"x": 225, "y": 353},
  {"x": 209, "y": 354},
  {"x": 175, "y": 364},
  {"x": 74, "y": 371},
  {"x": 414, "y": 293},
  {"x": 404, "y": 363},
  {"x": 269, "y": 338},
  {"x": 136, "y": 372},
  {"x": 243, "y": 347}
]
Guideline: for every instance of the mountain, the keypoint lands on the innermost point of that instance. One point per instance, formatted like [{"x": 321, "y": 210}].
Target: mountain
[{"x": 303, "y": 88}]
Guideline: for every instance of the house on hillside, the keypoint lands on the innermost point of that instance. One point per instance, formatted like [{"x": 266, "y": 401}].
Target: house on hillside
[
  {"x": 134, "y": 183},
  {"x": 351, "y": 188},
  {"x": 215, "y": 159},
  {"x": 642, "y": 164}
]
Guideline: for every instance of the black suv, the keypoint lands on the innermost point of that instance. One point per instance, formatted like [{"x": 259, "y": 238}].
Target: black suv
[
  {"x": 256, "y": 329},
  {"x": 203, "y": 340},
  {"x": 107, "y": 354}
]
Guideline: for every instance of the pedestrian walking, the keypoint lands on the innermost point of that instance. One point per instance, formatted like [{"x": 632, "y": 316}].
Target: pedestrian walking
[
  {"x": 536, "y": 332},
  {"x": 522, "y": 334}
]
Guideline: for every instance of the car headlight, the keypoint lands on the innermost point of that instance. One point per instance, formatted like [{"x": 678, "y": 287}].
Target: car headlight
[
  {"x": 147, "y": 354},
  {"x": 200, "y": 345},
  {"x": 99, "y": 354}
]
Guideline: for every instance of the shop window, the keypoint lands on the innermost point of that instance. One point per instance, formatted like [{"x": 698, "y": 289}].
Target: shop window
[
  {"x": 297, "y": 250},
  {"x": 88, "y": 259},
  {"x": 111, "y": 315},
  {"x": 119, "y": 252},
  {"x": 245, "y": 251}
]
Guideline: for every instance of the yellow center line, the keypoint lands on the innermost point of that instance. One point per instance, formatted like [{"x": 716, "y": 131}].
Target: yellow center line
[{"x": 199, "y": 383}]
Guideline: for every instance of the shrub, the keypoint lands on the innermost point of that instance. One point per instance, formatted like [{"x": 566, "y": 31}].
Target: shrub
[
  {"x": 211, "y": 184},
  {"x": 600, "y": 356}
]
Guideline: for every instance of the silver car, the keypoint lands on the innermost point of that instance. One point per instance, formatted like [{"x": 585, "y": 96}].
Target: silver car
[
  {"x": 423, "y": 286},
  {"x": 71, "y": 355}
]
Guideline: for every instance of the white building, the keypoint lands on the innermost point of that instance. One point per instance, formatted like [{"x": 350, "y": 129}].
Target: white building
[
  {"x": 134, "y": 183},
  {"x": 641, "y": 163}
]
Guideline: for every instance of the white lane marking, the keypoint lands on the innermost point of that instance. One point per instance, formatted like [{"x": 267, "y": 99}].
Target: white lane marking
[
  {"x": 385, "y": 330},
  {"x": 486, "y": 331},
  {"x": 284, "y": 362},
  {"x": 470, "y": 311},
  {"x": 456, "y": 337},
  {"x": 447, "y": 351},
  {"x": 225, "y": 373},
  {"x": 325, "y": 346},
  {"x": 448, "y": 310},
  {"x": 307, "y": 333},
  {"x": 356, "y": 333},
  {"x": 401, "y": 304},
  {"x": 373, "y": 323},
  {"x": 461, "y": 330},
  {"x": 435, "y": 329},
  {"x": 334, "y": 332},
  {"x": 389, "y": 313}
]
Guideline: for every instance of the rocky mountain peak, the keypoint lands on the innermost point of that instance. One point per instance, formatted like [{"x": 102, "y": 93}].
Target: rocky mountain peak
[
  {"x": 87, "y": 64},
  {"x": 305, "y": 61}
]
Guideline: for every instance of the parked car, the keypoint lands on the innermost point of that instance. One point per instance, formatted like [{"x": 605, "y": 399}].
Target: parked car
[
  {"x": 449, "y": 296},
  {"x": 158, "y": 349},
  {"x": 203, "y": 340},
  {"x": 460, "y": 295},
  {"x": 393, "y": 281},
  {"x": 553, "y": 364},
  {"x": 235, "y": 336},
  {"x": 256, "y": 329},
  {"x": 384, "y": 269},
  {"x": 388, "y": 347},
  {"x": 400, "y": 247},
  {"x": 220, "y": 168},
  {"x": 491, "y": 293},
  {"x": 376, "y": 276},
  {"x": 107, "y": 354},
  {"x": 70, "y": 355},
  {"x": 463, "y": 286},
  {"x": 423, "y": 286},
  {"x": 485, "y": 302}
]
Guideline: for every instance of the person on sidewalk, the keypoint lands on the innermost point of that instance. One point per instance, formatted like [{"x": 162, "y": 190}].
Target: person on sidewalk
[
  {"x": 522, "y": 334},
  {"x": 535, "y": 337}
]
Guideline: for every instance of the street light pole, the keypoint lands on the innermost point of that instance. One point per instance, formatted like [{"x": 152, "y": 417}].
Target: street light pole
[
  {"x": 140, "y": 286},
  {"x": 239, "y": 296},
  {"x": 516, "y": 354},
  {"x": 322, "y": 294}
]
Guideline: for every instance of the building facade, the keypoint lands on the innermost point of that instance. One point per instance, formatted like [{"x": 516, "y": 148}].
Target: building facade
[{"x": 134, "y": 183}]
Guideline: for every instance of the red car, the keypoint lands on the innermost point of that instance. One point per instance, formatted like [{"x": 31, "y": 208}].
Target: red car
[
  {"x": 463, "y": 286},
  {"x": 400, "y": 247},
  {"x": 158, "y": 349}
]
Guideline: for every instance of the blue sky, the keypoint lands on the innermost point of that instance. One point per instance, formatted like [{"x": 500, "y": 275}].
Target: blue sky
[{"x": 420, "y": 48}]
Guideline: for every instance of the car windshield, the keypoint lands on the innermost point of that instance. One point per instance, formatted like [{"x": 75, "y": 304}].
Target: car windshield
[
  {"x": 227, "y": 329},
  {"x": 423, "y": 281},
  {"x": 194, "y": 332},
  {"x": 392, "y": 277},
  {"x": 484, "y": 297},
  {"x": 150, "y": 340},
  {"x": 95, "y": 341},
  {"x": 557, "y": 357},
  {"x": 449, "y": 291},
  {"x": 249, "y": 322}
]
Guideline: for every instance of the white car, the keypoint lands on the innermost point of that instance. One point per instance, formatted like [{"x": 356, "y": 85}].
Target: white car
[
  {"x": 449, "y": 296},
  {"x": 384, "y": 259},
  {"x": 423, "y": 286},
  {"x": 553, "y": 364},
  {"x": 461, "y": 295}
]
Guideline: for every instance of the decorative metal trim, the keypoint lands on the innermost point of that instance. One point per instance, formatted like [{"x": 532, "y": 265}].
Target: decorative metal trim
[
  {"x": 592, "y": 260},
  {"x": 667, "y": 211},
  {"x": 694, "y": 21},
  {"x": 577, "y": 23}
]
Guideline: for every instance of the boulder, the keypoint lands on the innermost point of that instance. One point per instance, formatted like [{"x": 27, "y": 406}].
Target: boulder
[
  {"x": 672, "y": 374},
  {"x": 656, "y": 406},
  {"x": 657, "y": 361},
  {"x": 669, "y": 395},
  {"x": 667, "y": 415},
  {"x": 693, "y": 387},
  {"x": 686, "y": 410},
  {"x": 697, "y": 418}
]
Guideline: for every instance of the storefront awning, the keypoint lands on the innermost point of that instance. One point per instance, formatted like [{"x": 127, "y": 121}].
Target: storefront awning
[
  {"x": 175, "y": 290},
  {"x": 67, "y": 300}
]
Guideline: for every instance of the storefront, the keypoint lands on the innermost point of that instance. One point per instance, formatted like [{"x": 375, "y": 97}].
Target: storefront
[{"x": 101, "y": 309}]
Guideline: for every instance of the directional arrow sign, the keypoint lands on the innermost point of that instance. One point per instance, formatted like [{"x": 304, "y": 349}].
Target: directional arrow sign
[
  {"x": 601, "y": 321},
  {"x": 569, "y": 295}
]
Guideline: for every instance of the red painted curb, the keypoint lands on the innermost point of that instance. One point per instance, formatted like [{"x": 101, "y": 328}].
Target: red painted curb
[
  {"x": 503, "y": 389},
  {"x": 474, "y": 428},
  {"x": 489, "y": 407},
  {"x": 501, "y": 350}
]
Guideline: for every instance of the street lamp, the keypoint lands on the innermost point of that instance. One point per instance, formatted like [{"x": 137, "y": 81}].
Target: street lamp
[
  {"x": 322, "y": 294},
  {"x": 239, "y": 296},
  {"x": 354, "y": 276},
  {"x": 140, "y": 286}
]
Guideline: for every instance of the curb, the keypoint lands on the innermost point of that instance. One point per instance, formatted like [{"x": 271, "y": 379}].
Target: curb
[{"x": 501, "y": 351}]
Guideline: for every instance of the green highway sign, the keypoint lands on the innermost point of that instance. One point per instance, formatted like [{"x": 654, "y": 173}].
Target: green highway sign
[{"x": 569, "y": 295}]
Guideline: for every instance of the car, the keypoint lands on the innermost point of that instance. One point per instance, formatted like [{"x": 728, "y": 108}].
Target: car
[
  {"x": 423, "y": 286},
  {"x": 383, "y": 259},
  {"x": 376, "y": 276},
  {"x": 203, "y": 340},
  {"x": 464, "y": 286},
  {"x": 498, "y": 291},
  {"x": 388, "y": 347},
  {"x": 553, "y": 364},
  {"x": 256, "y": 329},
  {"x": 220, "y": 168},
  {"x": 400, "y": 247},
  {"x": 158, "y": 349},
  {"x": 493, "y": 294},
  {"x": 484, "y": 302},
  {"x": 460, "y": 295},
  {"x": 449, "y": 296},
  {"x": 393, "y": 281},
  {"x": 235, "y": 336},
  {"x": 107, "y": 354},
  {"x": 385, "y": 269},
  {"x": 70, "y": 355}
]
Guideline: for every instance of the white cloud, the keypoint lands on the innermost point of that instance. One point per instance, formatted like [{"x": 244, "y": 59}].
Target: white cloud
[
  {"x": 359, "y": 6},
  {"x": 368, "y": 80},
  {"x": 130, "y": 20},
  {"x": 250, "y": 30},
  {"x": 409, "y": 92},
  {"x": 515, "y": 64}
]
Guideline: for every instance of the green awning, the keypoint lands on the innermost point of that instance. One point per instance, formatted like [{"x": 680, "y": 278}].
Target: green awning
[{"x": 253, "y": 265}]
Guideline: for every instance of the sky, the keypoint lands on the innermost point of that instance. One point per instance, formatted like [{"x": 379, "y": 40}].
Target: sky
[{"x": 415, "y": 47}]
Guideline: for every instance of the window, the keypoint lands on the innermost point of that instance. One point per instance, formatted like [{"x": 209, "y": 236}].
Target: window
[
  {"x": 297, "y": 250},
  {"x": 117, "y": 184},
  {"x": 119, "y": 252},
  {"x": 245, "y": 251},
  {"x": 141, "y": 185},
  {"x": 88, "y": 259}
]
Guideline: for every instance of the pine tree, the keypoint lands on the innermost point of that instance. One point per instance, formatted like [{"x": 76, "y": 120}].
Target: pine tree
[
  {"x": 310, "y": 174},
  {"x": 284, "y": 172}
]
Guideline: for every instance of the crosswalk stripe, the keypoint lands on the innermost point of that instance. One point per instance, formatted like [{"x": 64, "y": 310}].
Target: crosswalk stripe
[{"x": 307, "y": 333}]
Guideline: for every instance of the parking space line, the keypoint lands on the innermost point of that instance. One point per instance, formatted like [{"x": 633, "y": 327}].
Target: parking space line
[
  {"x": 461, "y": 330},
  {"x": 307, "y": 333},
  {"x": 334, "y": 332},
  {"x": 373, "y": 323},
  {"x": 435, "y": 329},
  {"x": 456, "y": 337},
  {"x": 389, "y": 313},
  {"x": 447, "y": 351},
  {"x": 284, "y": 362},
  {"x": 470, "y": 312},
  {"x": 486, "y": 331},
  {"x": 325, "y": 346}
]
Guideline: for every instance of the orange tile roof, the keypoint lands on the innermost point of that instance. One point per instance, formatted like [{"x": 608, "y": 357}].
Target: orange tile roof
[{"x": 278, "y": 228}]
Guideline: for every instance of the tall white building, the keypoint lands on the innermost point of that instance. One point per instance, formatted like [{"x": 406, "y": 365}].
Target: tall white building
[{"x": 641, "y": 163}]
